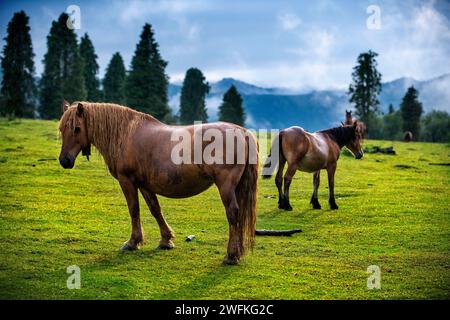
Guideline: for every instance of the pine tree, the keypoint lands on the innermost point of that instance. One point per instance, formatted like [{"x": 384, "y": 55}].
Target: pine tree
[
  {"x": 63, "y": 70},
  {"x": 365, "y": 87},
  {"x": 18, "y": 87},
  {"x": 193, "y": 94},
  {"x": 146, "y": 85},
  {"x": 114, "y": 81},
  {"x": 91, "y": 82},
  {"x": 391, "y": 109},
  {"x": 411, "y": 110},
  {"x": 231, "y": 109}
]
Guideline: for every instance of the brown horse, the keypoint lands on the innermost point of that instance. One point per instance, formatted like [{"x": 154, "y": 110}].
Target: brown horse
[
  {"x": 348, "y": 118},
  {"x": 408, "y": 136},
  {"x": 137, "y": 149},
  {"x": 311, "y": 153}
]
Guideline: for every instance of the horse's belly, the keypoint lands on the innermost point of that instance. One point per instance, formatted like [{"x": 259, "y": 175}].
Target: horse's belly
[
  {"x": 179, "y": 183},
  {"x": 184, "y": 190},
  {"x": 312, "y": 162}
]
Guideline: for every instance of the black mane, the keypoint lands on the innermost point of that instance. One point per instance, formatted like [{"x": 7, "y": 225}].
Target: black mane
[{"x": 342, "y": 135}]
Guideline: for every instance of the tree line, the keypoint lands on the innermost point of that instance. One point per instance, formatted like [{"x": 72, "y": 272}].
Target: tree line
[
  {"x": 363, "y": 94},
  {"x": 71, "y": 72}
]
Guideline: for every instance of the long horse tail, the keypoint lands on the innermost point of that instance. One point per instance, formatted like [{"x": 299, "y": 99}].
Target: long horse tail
[
  {"x": 246, "y": 192},
  {"x": 272, "y": 162}
]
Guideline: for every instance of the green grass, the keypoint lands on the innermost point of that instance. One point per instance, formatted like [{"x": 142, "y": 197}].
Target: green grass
[{"x": 394, "y": 213}]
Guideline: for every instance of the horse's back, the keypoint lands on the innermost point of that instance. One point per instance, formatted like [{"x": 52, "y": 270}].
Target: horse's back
[
  {"x": 294, "y": 143},
  {"x": 310, "y": 151},
  {"x": 157, "y": 157}
]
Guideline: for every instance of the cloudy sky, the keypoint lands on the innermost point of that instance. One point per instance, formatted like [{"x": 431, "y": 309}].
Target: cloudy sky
[{"x": 300, "y": 45}]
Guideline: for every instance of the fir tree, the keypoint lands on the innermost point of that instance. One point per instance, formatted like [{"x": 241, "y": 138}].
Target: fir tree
[
  {"x": 18, "y": 88},
  {"x": 63, "y": 70},
  {"x": 193, "y": 94},
  {"x": 231, "y": 109},
  {"x": 391, "y": 109},
  {"x": 411, "y": 110},
  {"x": 91, "y": 82},
  {"x": 146, "y": 85},
  {"x": 114, "y": 81},
  {"x": 365, "y": 87}
]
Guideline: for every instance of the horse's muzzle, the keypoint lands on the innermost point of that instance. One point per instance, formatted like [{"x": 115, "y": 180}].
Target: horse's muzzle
[
  {"x": 67, "y": 162},
  {"x": 359, "y": 155}
]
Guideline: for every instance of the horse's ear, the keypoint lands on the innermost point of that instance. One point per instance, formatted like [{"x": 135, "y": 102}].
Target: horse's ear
[
  {"x": 66, "y": 105},
  {"x": 80, "y": 109}
]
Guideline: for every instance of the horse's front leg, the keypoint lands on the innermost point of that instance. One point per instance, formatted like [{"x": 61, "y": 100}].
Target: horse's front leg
[
  {"x": 331, "y": 169},
  {"x": 130, "y": 192},
  {"x": 166, "y": 231}
]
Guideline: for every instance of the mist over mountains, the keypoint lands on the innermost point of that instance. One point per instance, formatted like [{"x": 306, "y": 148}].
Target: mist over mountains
[{"x": 315, "y": 110}]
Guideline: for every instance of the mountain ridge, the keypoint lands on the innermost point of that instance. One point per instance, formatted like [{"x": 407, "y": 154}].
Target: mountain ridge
[{"x": 275, "y": 107}]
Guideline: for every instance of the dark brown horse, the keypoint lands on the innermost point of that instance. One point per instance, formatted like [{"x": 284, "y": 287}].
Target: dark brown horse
[
  {"x": 408, "y": 136},
  {"x": 312, "y": 152},
  {"x": 348, "y": 118},
  {"x": 138, "y": 150}
]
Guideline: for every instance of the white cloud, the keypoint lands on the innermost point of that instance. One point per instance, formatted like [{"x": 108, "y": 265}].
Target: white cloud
[
  {"x": 314, "y": 44},
  {"x": 299, "y": 77},
  {"x": 414, "y": 44},
  {"x": 288, "y": 21},
  {"x": 136, "y": 10}
]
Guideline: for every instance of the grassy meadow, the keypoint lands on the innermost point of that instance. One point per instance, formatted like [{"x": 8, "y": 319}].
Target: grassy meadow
[{"x": 394, "y": 212}]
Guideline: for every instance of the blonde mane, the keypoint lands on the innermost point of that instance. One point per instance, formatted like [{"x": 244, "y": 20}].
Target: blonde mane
[{"x": 108, "y": 126}]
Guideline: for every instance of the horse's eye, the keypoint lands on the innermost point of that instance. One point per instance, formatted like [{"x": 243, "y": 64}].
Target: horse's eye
[{"x": 76, "y": 130}]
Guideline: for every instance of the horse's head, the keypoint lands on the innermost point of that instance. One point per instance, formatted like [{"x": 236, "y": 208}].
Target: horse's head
[
  {"x": 348, "y": 117},
  {"x": 73, "y": 129},
  {"x": 355, "y": 144}
]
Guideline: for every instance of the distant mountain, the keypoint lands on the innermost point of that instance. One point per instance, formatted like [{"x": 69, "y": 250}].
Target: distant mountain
[
  {"x": 312, "y": 111},
  {"x": 220, "y": 87},
  {"x": 277, "y": 108},
  {"x": 244, "y": 88},
  {"x": 433, "y": 93}
]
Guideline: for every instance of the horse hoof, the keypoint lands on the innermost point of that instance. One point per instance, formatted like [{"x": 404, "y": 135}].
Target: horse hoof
[
  {"x": 334, "y": 207},
  {"x": 230, "y": 261},
  {"x": 288, "y": 208},
  {"x": 127, "y": 247},
  {"x": 315, "y": 203},
  {"x": 166, "y": 246}
]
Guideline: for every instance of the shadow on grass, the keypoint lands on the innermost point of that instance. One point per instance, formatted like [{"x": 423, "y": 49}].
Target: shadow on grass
[
  {"x": 199, "y": 287},
  {"x": 203, "y": 284},
  {"x": 123, "y": 257}
]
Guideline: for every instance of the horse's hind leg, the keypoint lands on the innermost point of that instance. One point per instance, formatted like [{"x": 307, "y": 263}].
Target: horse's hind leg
[
  {"x": 314, "y": 198},
  {"x": 166, "y": 232},
  {"x": 292, "y": 168},
  {"x": 279, "y": 182},
  {"x": 227, "y": 191},
  {"x": 130, "y": 192}
]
